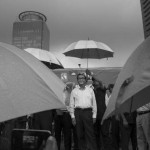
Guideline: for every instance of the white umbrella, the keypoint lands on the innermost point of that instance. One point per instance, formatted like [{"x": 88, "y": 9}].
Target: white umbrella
[
  {"x": 45, "y": 56},
  {"x": 88, "y": 49},
  {"x": 26, "y": 85},
  {"x": 132, "y": 88}
]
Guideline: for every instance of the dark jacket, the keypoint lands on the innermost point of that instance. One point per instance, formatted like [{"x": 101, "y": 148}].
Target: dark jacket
[{"x": 100, "y": 100}]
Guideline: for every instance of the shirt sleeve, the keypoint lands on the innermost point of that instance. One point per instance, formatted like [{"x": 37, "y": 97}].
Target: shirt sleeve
[
  {"x": 94, "y": 105},
  {"x": 106, "y": 99},
  {"x": 72, "y": 104},
  {"x": 148, "y": 106}
]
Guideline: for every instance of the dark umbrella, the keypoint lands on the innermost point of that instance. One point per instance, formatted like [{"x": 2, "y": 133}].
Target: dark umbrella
[{"x": 88, "y": 49}]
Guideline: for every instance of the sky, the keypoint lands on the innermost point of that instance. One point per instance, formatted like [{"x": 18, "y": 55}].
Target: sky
[{"x": 117, "y": 23}]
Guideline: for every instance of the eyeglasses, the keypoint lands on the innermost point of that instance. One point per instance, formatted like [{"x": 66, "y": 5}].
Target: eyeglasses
[{"x": 81, "y": 78}]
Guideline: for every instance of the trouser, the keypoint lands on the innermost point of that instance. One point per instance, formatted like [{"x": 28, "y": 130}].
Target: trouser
[
  {"x": 127, "y": 133},
  {"x": 97, "y": 130},
  {"x": 43, "y": 120},
  {"x": 63, "y": 123},
  {"x": 143, "y": 131},
  {"x": 75, "y": 140},
  {"x": 85, "y": 129},
  {"x": 110, "y": 134}
]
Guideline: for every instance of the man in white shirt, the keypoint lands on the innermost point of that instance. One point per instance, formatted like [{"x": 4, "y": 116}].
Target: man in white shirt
[{"x": 83, "y": 112}]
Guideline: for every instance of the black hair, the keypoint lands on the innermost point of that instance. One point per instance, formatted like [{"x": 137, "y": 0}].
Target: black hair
[
  {"x": 110, "y": 86},
  {"x": 93, "y": 79}
]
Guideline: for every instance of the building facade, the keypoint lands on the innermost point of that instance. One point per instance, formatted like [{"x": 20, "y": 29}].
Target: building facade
[
  {"x": 31, "y": 31},
  {"x": 145, "y": 8}
]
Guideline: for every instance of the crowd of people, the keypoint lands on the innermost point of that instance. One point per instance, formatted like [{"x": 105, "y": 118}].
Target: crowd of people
[{"x": 79, "y": 125}]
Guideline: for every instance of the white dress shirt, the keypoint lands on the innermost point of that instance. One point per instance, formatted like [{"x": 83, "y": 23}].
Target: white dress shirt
[
  {"x": 144, "y": 108},
  {"x": 66, "y": 97},
  {"x": 83, "y": 98},
  {"x": 107, "y": 98}
]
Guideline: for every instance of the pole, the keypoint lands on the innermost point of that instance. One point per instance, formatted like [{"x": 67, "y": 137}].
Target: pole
[
  {"x": 87, "y": 63},
  {"x": 87, "y": 57},
  {"x": 87, "y": 53}
]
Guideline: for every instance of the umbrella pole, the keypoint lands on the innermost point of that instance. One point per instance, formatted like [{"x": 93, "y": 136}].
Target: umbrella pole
[
  {"x": 87, "y": 57},
  {"x": 87, "y": 63}
]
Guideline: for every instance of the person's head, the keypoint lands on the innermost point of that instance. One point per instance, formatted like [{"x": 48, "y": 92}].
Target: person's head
[
  {"x": 110, "y": 87},
  {"x": 96, "y": 83},
  {"x": 82, "y": 79}
]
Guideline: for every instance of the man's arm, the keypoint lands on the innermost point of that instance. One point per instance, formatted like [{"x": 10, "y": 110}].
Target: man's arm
[
  {"x": 148, "y": 106},
  {"x": 94, "y": 105},
  {"x": 72, "y": 104},
  {"x": 125, "y": 122}
]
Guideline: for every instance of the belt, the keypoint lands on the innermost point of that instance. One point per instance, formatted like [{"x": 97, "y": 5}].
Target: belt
[
  {"x": 79, "y": 108},
  {"x": 143, "y": 112}
]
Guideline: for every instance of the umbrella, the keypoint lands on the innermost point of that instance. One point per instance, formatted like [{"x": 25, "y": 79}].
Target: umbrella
[
  {"x": 48, "y": 58},
  {"x": 88, "y": 49},
  {"x": 26, "y": 85},
  {"x": 132, "y": 86}
]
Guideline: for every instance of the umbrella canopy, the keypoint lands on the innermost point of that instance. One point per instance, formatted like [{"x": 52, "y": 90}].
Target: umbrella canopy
[
  {"x": 132, "y": 86},
  {"x": 26, "y": 85},
  {"x": 46, "y": 57},
  {"x": 88, "y": 49}
]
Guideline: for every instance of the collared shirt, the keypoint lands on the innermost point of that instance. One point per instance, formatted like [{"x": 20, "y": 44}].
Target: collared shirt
[
  {"x": 66, "y": 98},
  {"x": 144, "y": 108},
  {"x": 83, "y": 99},
  {"x": 107, "y": 98}
]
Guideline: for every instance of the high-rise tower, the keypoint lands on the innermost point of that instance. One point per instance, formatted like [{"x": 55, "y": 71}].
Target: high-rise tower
[
  {"x": 145, "y": 8},
  {"x": 31, "y": 31}
]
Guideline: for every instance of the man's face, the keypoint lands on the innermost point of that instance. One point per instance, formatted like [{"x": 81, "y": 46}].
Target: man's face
[{"x": 81, "y": 80}]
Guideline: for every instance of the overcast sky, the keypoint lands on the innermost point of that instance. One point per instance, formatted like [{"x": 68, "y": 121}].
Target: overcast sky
[{"x": 117, "y": 23}]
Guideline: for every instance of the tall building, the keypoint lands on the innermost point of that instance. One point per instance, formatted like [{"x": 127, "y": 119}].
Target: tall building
[
  {"x": 31, "y": 31},
  {"x": 145, "y": 8}
]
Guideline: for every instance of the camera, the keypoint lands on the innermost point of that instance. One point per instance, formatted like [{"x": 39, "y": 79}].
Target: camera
[{"x": 28, "y": 139}]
